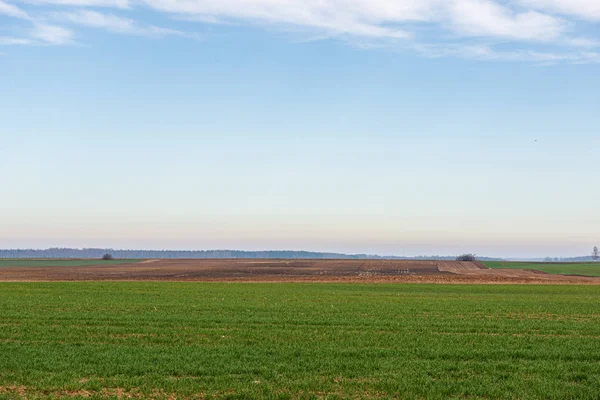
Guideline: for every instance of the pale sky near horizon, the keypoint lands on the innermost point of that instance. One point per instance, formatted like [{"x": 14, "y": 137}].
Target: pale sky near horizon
[{"x": 388, "y": 127}]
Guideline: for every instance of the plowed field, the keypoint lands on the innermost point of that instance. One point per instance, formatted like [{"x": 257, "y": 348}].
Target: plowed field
[{"x": 399, "y": 271}]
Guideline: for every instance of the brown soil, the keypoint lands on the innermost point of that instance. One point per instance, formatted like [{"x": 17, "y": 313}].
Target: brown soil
[{"x": 237, "y": 270}]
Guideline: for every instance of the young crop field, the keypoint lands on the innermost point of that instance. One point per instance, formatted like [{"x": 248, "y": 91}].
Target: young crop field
[
  {"x": 585, "y": 269},
  {"x": 294, "y": 340},
  {"x": 60, "y": 263}
]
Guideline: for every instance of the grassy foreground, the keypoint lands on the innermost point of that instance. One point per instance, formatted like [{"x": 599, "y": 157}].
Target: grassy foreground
[
  {"x": 586, "y": 269},
  {"x": 219, "y": 340},
  {"x": 60, "y": 263}
]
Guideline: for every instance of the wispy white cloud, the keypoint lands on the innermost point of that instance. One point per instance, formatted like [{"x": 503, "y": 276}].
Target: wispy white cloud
[
  {"x": 333, "y": 17},
  {"x": 12, "y": 11},
  {"x": 582, "y": 42},
  {"x": 40, "y": 33},
  {"x": 124, "y": 4},
  {"x": 584, "y": 9},
  {"x": 486, "y": 53},
  {"x": 537, "y": 29},
  {"x": 488, "y": 19},
  {"x": 378, "y": 18},
  {"x": 12, "y": 41},
  {"x": 115, "y": 24},
  {"x": 51, "y": 34}
]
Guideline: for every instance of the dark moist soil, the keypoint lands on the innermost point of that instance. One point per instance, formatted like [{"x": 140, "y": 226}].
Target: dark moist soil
[{"x": 243, "y": 270}]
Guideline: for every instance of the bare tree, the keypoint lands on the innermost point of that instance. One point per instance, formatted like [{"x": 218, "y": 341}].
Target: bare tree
[{"x": 595, "y": 254}]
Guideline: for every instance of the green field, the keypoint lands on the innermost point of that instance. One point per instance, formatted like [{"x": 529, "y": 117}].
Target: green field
[
  {"x": 219, "y": 340},
  {"x": 586, "y": 269},
  {"x": 59, "y": 263}
]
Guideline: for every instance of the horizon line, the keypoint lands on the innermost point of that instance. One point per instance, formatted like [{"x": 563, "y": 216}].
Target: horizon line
[{"x": 364, "y": 255}]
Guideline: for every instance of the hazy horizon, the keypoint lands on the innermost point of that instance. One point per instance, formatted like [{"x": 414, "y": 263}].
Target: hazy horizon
[
  {"x": 518, "y": 212},
  {"x": 367, "y": 255},
  {"x": 308, "y": 250},
  {"x": 405, "y": 128}
]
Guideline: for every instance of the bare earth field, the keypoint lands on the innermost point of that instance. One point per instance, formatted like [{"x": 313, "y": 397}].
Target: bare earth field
[{"x": 244, "y": 270}]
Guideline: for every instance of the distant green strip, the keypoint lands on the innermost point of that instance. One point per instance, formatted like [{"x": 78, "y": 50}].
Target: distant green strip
[
  {"x": 61, "y": 263},
  {"x": 586, "y": 269}
]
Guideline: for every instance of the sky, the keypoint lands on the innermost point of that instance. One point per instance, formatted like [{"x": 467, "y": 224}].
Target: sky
[{"x": 364, "y": 126}]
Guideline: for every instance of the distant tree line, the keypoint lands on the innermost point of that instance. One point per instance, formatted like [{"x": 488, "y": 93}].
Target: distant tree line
[
  {"x": 569, "y": 259},
  {"x": 170, "y": 254},
  {"x": 174, "y": 254}
]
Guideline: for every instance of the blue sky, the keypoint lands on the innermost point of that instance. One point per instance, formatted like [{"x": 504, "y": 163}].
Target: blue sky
[{"x": 414, "y": 127}]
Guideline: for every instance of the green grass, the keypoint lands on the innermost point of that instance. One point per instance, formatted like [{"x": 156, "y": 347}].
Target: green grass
[
  {"x": 587, "y": 269},
  {"x": 239, "y": 341},
  {"x": 59, "y": 263}
]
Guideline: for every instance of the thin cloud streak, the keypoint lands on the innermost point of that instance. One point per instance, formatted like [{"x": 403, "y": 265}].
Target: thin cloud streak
[
  {"x": 115, "y": 24},
  {"x": 11, "y": 41},
  {"x": 51, "y": 34},
  {"x": 584, "y": 9},
  {"x": 122, "y": 4},
  {"x": 40, "y": 34},
  {"x": 12, "y": 11},
  {"x": 485, "y": 53}
]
